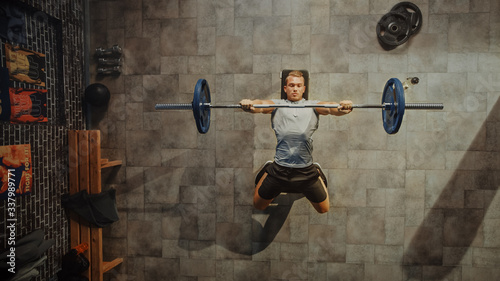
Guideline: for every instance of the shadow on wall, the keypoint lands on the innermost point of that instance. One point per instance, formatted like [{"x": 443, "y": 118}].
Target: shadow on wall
[{"x": 454, "y": 223}]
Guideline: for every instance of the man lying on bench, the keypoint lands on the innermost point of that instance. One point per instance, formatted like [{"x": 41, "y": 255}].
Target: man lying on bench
[{"x": 293, "y": 170}]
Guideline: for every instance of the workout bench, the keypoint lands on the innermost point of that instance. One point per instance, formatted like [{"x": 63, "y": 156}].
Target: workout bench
[{"x": 85, "y": 166}]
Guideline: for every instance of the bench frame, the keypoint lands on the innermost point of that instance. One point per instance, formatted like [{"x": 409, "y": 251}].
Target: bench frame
[{"x": 85, "y": 166}]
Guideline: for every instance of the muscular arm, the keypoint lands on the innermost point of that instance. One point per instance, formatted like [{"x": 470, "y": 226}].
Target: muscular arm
[
  {"x": 247, "y": 105},
  {"x": 345, "y": 109}
]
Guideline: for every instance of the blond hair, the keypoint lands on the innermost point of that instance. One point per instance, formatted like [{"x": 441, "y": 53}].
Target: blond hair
[{"x": 294, "y": 73}]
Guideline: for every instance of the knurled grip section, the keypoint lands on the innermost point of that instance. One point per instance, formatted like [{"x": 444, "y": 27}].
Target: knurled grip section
[
  {"x": 174, "y": 106},
  {"x": 424, "y": 106}
]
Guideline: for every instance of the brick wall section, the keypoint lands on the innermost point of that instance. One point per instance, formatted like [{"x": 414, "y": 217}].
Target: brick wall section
[{"x": 42, "y": 209}]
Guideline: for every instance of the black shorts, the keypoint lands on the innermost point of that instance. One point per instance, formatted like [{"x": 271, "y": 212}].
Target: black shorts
[{"x": 293, "y": 180}]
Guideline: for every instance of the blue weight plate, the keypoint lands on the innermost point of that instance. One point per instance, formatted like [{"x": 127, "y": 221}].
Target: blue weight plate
[
  {"x": 201, "y": 111},
  {"x": 392, "y": 115}
]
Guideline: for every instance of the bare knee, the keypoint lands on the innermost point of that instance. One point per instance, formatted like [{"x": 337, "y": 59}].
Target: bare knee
[
  {"x": 323, "y": 210},
  {"x": 322, "y": 207}
]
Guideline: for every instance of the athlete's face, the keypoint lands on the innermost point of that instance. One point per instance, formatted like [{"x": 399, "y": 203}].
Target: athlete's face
[{"x": 294, "y": 88}]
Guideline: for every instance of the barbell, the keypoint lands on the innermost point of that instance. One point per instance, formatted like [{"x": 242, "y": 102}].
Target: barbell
[{"x": 393, "y": 106}]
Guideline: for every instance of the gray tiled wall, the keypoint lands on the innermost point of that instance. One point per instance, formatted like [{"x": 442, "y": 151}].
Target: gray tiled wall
[{"x": 418, "y": 205}]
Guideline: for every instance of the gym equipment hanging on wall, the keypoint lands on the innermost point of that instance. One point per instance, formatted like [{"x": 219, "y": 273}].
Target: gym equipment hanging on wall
[
  {"x": 109, "y": 60},
  {"x": 396, "y": 27}
]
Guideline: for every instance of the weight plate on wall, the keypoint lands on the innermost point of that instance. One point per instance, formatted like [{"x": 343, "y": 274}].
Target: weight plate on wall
[
  {"x": 393, "y": 29},
  {"x": 413, "y": 14}
]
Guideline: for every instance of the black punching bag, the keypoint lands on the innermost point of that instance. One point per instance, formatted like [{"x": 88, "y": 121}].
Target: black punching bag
[{"x": 97, "y": 95}]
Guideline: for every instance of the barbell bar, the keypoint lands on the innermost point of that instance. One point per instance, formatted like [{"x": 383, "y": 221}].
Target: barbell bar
[
  {"x": 188, "y": 106},
  {"x": 393, "y": 106}
]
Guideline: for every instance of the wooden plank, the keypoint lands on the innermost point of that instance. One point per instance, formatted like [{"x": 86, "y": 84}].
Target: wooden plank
[
  {"x": 97, "y": 258},
  {"x": 112, "y": 164},
  {"x": 83, "y": 155},
  {"x": 95, "y": 161},
  {"x": 108, "y": 265},
  {"x": 95, "y": 188},
  {"x": 73, "y": 161},
  {"x": 74, "y": 219}
]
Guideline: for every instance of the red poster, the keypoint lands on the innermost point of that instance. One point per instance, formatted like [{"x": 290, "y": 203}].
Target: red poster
[
  {"x": 15, "y": 170},
  {"x": 28, "y": 105}
]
